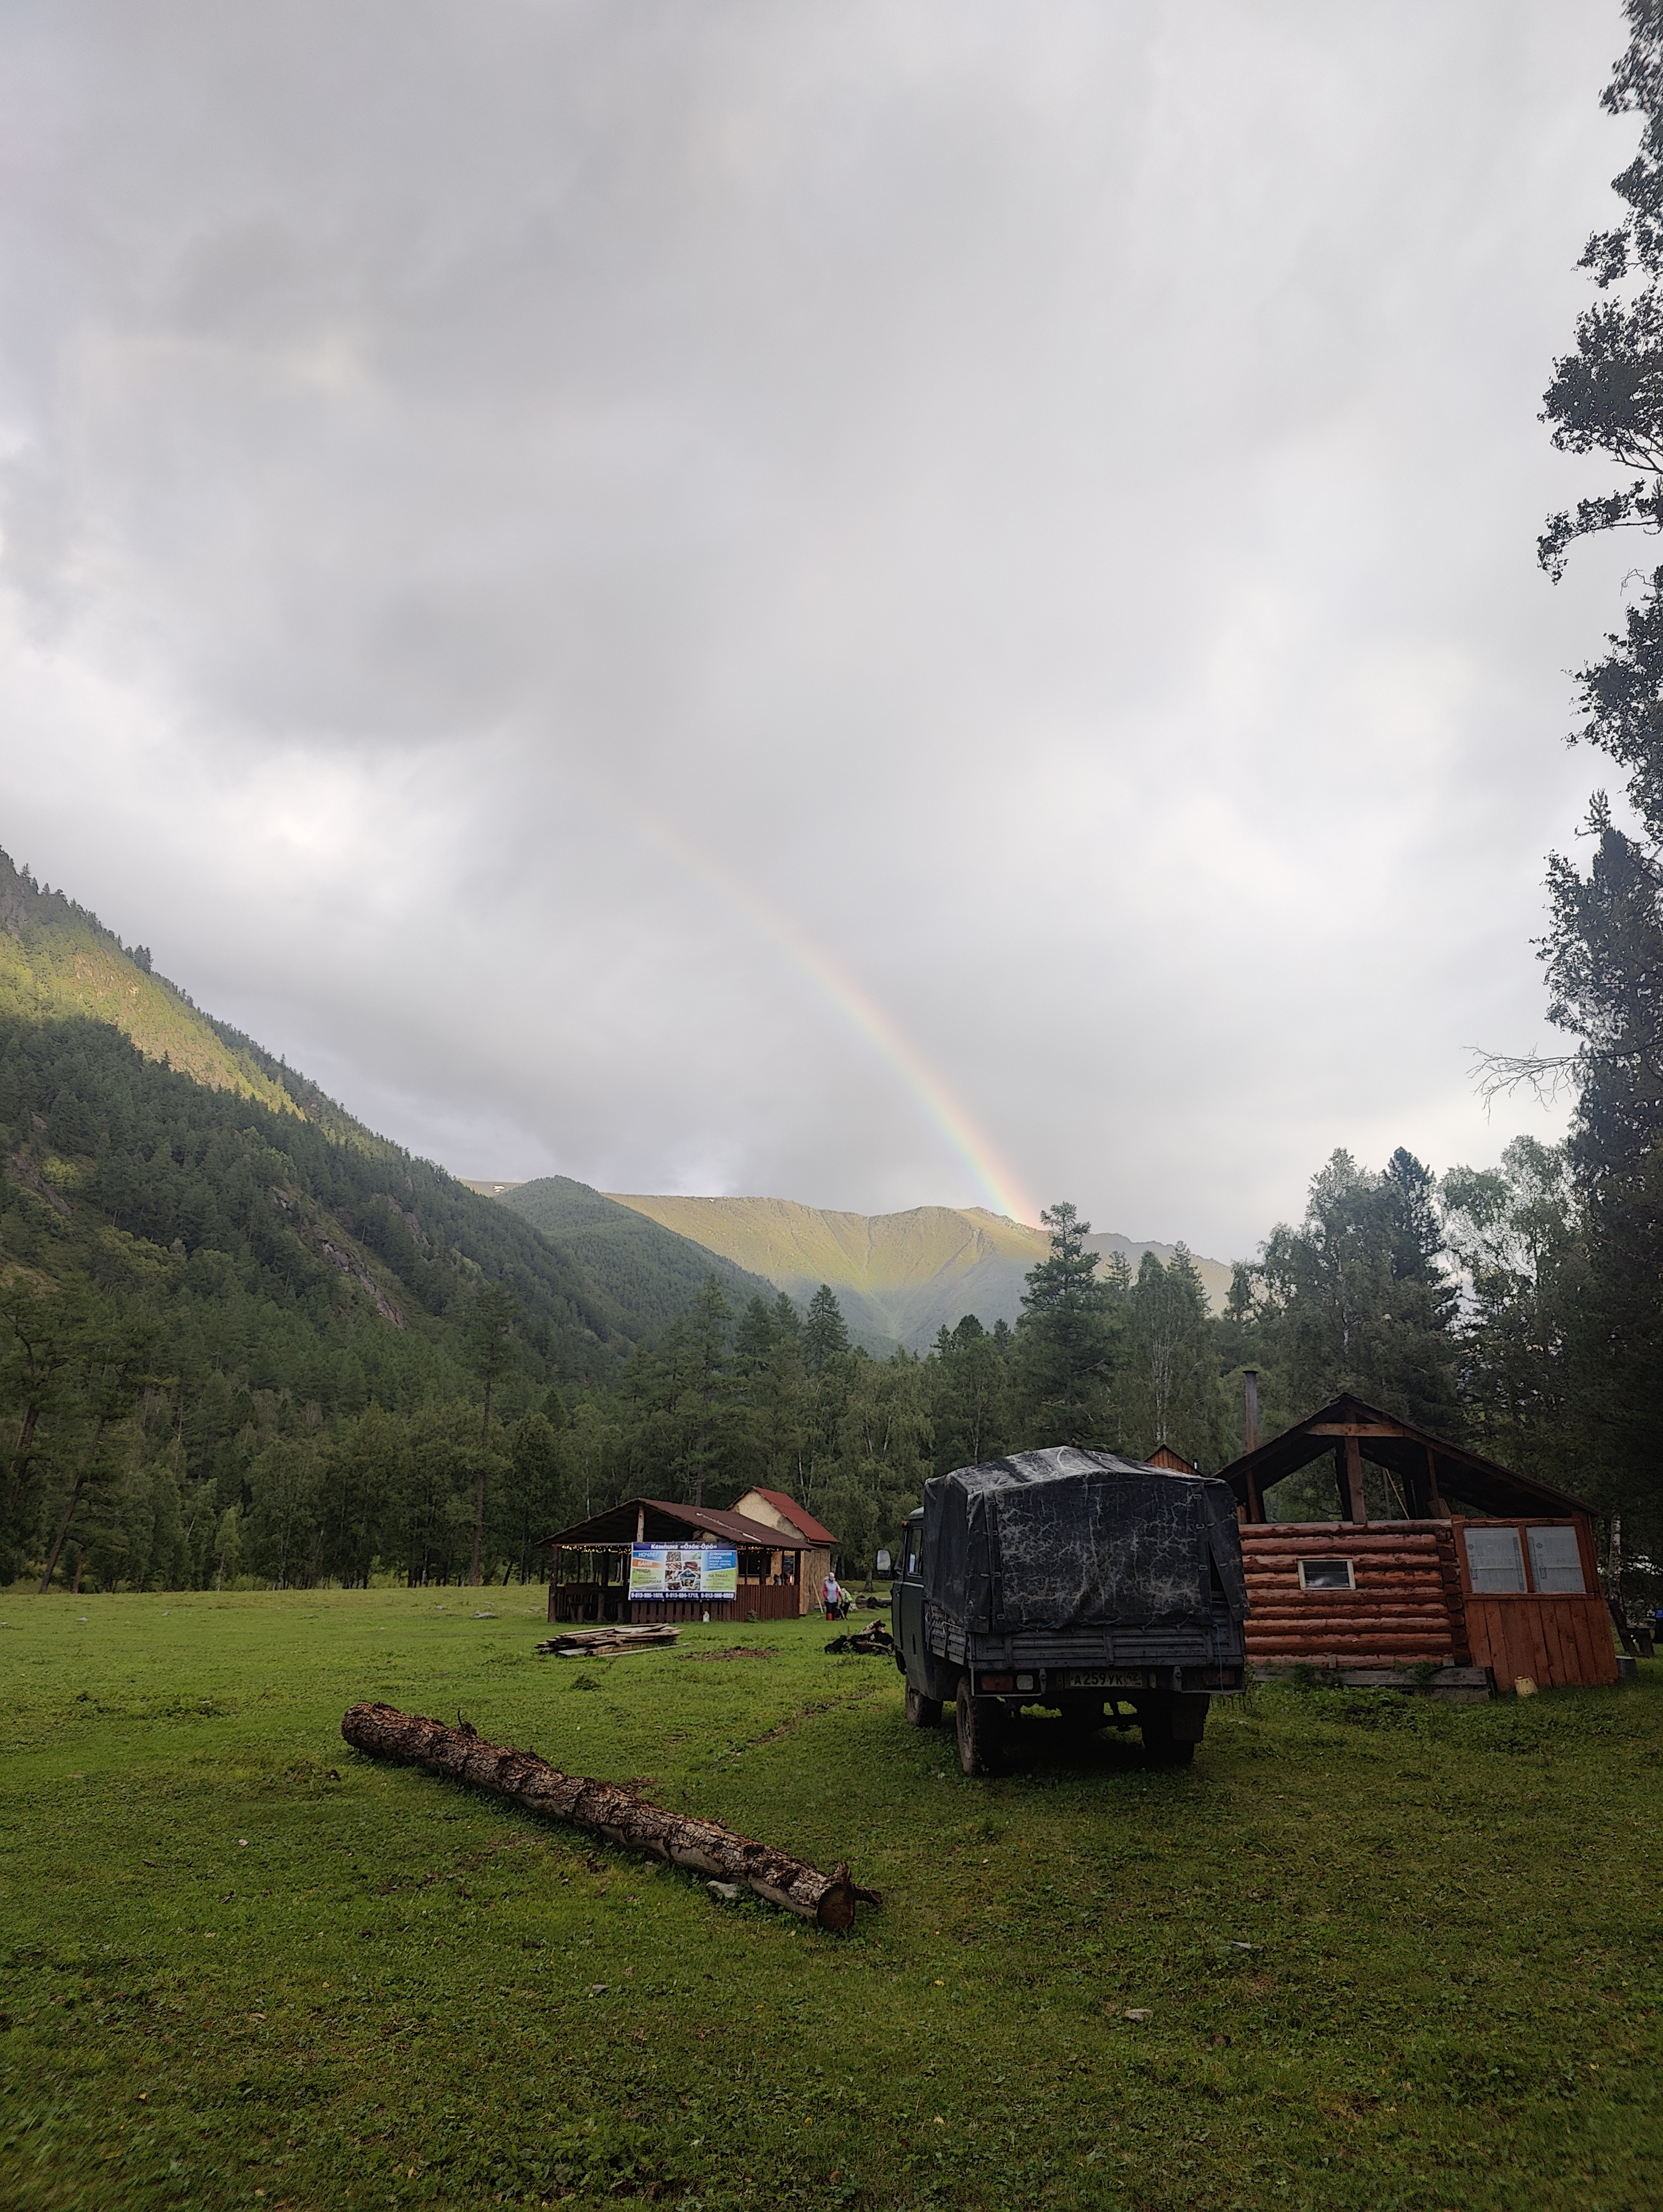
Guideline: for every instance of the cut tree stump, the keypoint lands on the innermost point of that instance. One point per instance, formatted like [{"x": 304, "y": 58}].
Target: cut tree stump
[{"x": 603, "y": 1810}]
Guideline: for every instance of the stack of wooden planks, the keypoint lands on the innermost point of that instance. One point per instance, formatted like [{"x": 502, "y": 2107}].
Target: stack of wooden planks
[{"x": 607, "y": 1643}]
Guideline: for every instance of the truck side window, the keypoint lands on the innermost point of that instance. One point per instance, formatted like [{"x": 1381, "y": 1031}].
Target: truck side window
[{"x": 912, "y": 1554}]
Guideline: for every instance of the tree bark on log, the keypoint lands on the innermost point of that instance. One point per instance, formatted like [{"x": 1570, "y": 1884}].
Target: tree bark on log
[{"x": 603, "y": 1810}]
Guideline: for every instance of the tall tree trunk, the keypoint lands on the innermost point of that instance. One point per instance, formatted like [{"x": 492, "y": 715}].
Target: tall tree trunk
[
  {"x": 479, "y": 1491},
  {"x": 19, "y": 1458},
  {"x": 1614, "y": 1605},
  {"x": 74, "y": 1499}
]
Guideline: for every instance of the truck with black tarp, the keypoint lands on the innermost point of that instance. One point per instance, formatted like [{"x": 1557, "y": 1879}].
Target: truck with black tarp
[{"x": 1107, "y": 1590}]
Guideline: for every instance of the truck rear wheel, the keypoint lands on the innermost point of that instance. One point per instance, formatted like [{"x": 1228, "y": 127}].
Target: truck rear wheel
[
  {"x": 922, "y": 1711},
  {"x": 1169, "y": 1738},
  {"x": 980, "y": 1724}
]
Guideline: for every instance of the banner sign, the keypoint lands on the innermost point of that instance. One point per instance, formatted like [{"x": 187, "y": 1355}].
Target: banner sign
[{"x": 684, "y": 1571}]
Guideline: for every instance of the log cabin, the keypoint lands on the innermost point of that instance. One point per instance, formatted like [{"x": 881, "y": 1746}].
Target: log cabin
[
  {"x": 1478, "y": 1567},
  {"x": 589, "y": 1564}
]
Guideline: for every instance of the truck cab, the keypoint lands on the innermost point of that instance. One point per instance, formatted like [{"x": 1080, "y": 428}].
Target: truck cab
[{"x": 1039, "y": 1596}]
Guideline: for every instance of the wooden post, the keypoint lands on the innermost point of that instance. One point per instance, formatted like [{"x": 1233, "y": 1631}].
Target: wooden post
[
  {"x": 1440, "y": 1511},
  {"x": 1355, "y": 1499}
]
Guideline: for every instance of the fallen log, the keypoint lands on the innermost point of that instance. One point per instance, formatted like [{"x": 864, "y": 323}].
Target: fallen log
[{"x": 603, "y": 1810}]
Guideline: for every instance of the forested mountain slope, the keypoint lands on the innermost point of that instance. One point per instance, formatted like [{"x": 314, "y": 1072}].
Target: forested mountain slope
[
  {"x": 650, "y": 1271},
  {"x": 208, "y": 1270},
  {"x": 58, "y": 961},
  {"x": 899, "y": 1275}
]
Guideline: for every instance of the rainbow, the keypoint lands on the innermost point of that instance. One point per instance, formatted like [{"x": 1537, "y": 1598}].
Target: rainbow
[{"x": 871, "y": 1021}]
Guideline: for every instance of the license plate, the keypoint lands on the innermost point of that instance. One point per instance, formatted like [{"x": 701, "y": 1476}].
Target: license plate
[{"x": 1103, "y": 1678}]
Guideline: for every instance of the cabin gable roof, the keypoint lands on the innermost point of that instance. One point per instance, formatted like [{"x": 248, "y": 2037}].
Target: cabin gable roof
[{"x": 1406, "y": 1451}]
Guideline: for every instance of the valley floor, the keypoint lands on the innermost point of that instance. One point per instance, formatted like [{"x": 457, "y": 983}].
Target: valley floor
[{"x": 1392, "y": 1954}]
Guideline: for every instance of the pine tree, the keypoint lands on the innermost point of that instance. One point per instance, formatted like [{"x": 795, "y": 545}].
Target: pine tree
[
  {"x": 1169, "y": 1390},
  {"x": 825, "y": 1334},
  {"x": 1603, "y": 950},
  {"x": 492, "y": 1354},
  {"x": 968, "y": 1381},
  {"x": 1065, "y": 1339},
  {"x": 1355, "y": 1297},
  {"x": 702, "y": 1379}
]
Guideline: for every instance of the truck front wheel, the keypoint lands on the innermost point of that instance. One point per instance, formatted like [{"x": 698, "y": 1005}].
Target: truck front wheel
[
  {"x": 979, "y": 1722},
  {"x": 922, "y": 1711}
]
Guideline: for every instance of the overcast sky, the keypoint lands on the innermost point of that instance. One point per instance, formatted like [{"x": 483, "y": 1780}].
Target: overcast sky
[{"x": 923, "y": 601}]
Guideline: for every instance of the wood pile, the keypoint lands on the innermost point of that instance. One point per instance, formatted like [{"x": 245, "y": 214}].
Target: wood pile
[
  {"x": 869, "y": 1641},
  {"x": 603, "y": 1810},
  {"x": 607, "y": 1643},
  {"x": 1407, "y": 1604}
]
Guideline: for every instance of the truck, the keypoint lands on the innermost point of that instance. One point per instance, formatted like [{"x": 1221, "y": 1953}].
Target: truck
[{"x": 1098, "y": 1588}]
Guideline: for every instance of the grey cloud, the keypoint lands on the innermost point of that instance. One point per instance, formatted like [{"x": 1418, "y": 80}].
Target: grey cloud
[{"x": 1040, "y": 500}]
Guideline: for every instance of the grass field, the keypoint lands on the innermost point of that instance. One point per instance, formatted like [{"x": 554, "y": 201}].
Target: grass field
[{"x": 1393, "y": 1955}]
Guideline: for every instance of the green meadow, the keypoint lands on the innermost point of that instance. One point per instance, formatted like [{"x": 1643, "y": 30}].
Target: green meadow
[{"x": 1391, "y": 1954}]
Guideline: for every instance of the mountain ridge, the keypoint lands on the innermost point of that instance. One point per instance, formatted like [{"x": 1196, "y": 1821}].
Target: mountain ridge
[
  {"x": 400, "y": 1239},
  {"x": 905, "y": 1275},
  {"x": 652, "y": 1271}
]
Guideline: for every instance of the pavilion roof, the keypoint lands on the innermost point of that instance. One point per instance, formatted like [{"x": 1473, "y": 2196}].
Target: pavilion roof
[{"x": 663, "y": 1522}]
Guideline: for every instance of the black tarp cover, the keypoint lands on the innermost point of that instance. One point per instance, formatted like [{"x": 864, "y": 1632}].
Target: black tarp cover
[{"x": 1068, "y": 1538}]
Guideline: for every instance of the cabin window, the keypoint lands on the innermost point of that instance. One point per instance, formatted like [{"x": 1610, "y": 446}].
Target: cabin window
[
  {"x": 1495, "y": 1560},
  {"x": 753, "y": 1566},
  {"x": 1556, "y": 1559},
  {"x": 1326, "y": 1574}
]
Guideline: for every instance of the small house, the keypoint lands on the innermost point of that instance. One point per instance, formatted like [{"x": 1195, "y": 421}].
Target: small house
[
  {"x": 1477, "y": 1568},
  {"x": 1173, "y": 1462},
  {"x": 774, "y": 1509},
  {"x": 648, "y": 1559}
]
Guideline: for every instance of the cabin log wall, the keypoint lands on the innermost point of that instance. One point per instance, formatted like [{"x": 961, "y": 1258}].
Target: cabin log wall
[
  {"x": 1408, "y": 1605},
  {"x": 1414, "y": 1601}
]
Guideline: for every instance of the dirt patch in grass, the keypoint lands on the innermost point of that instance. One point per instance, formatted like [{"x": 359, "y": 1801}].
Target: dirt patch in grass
[{"x": 734, "y": 1651}]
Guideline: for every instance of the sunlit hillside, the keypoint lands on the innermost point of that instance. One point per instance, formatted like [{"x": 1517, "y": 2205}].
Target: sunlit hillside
[
  {"x": 901, "y": 1275},
  {"x": 58, "y": 961}
]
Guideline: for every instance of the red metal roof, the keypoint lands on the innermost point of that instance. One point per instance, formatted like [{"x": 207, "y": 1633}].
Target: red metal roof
[{"x": 796, "y": 1515}]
